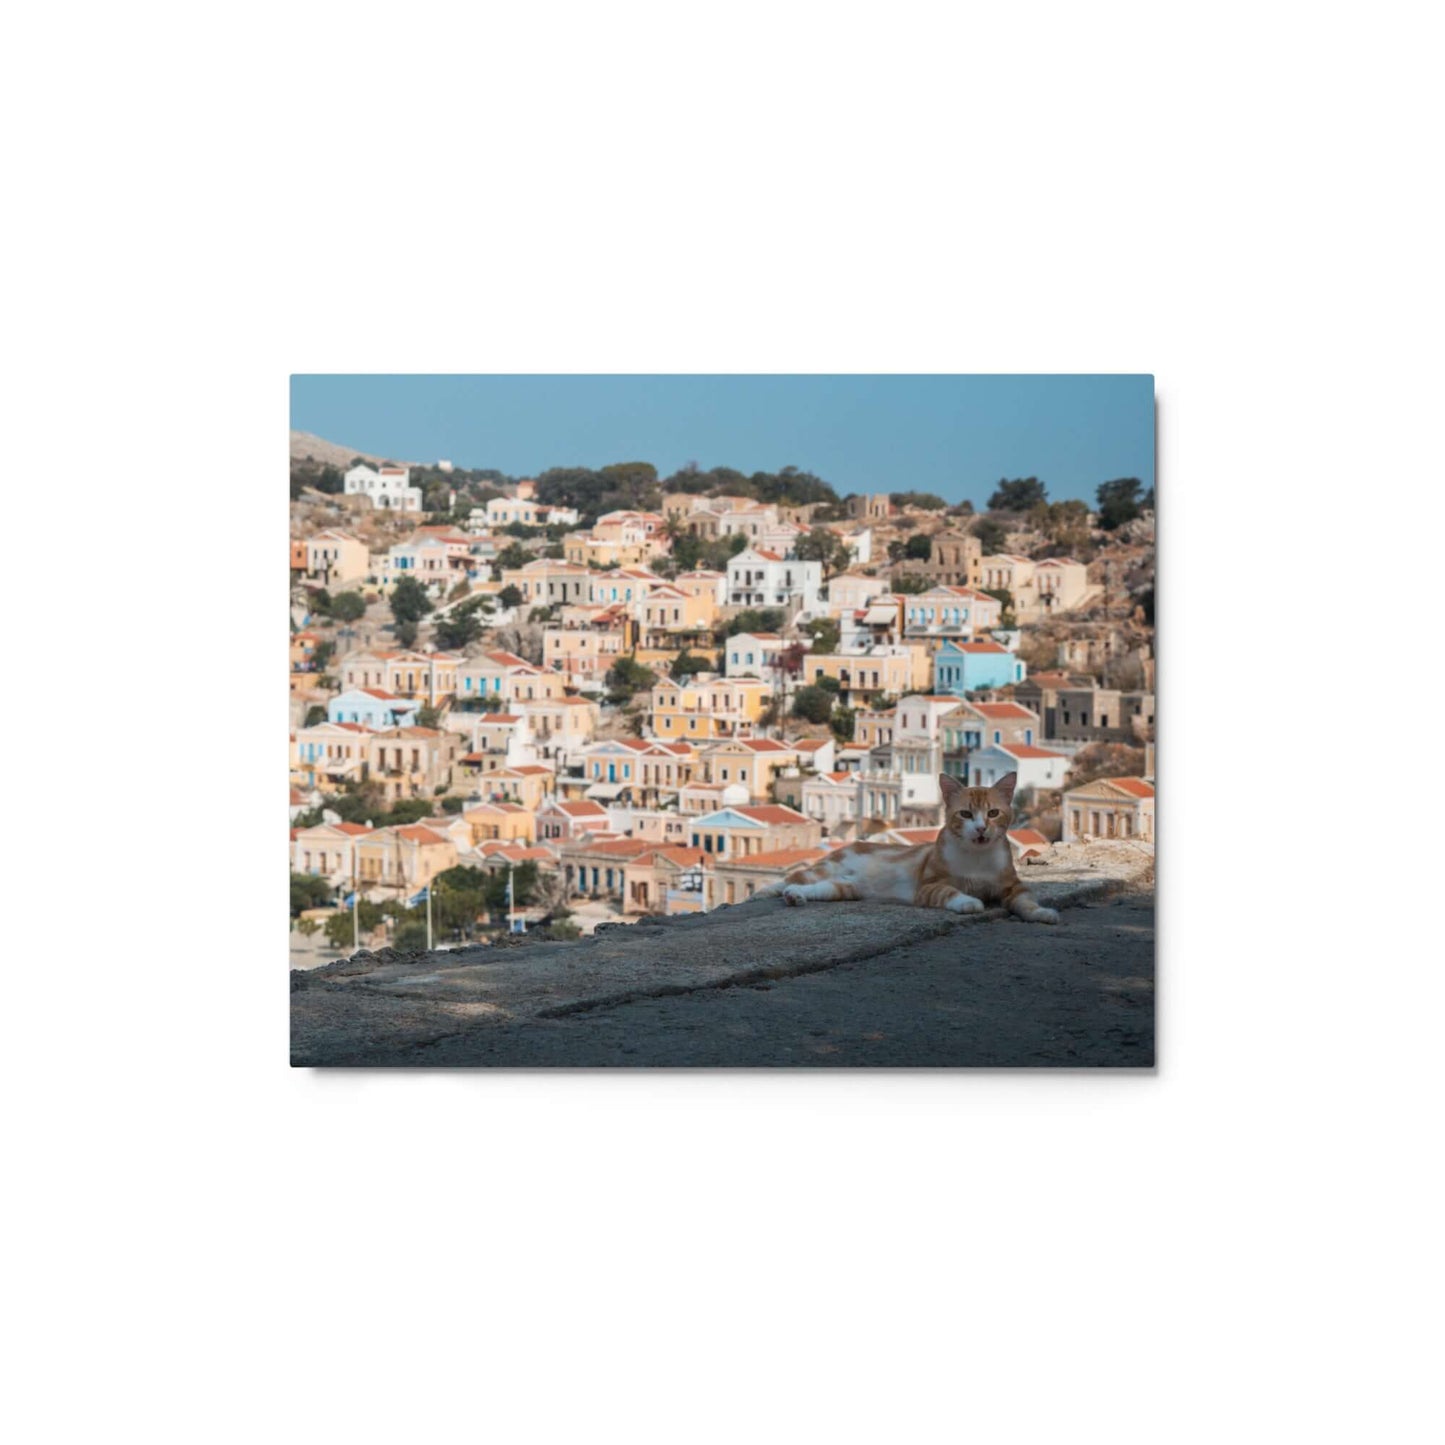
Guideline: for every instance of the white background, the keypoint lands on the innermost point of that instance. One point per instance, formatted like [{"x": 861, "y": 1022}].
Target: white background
[{"x": 206, "y": 1245}]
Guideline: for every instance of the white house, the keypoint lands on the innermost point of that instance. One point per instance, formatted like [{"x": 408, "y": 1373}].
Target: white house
[
  {"x": 1036, "y": 767},
  {"x": 373, "y": 707},
  {"x": 753, "y": 654},
  {"x": 831, "y": 798},
  {"x": 759, "y": 578},
  {"x": 388, "y": 487}
]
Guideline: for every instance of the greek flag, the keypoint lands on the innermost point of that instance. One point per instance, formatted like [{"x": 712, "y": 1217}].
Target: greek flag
[
  {"x": 350, "y": 899},
  {"x": 417, "y": 898}
]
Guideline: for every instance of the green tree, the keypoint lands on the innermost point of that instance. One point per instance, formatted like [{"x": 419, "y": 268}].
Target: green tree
[
  {"x": 919, "y": 547},
  {"x": 339, "y": 932},
  {"x": 325, "y": 651},
  {"x": 316, "y": 713},
  {"x": 927, "y": 500},
  {"x": 991, "y": 535},
  {"x": 1006, "y": 617},
  {"x": 825, "y": 633},
  {"x": 753, "y": 619},
  {"x": 524, "y": 881},
  {"x": 625, "y": 677},
  {"x": 1018, "y": 495},
  {"x": 453, "y": 805},
  {"x": 829, "y": 684},
  {"x": 908, "y": 584},
  {"x": 1065, "y": 524},
  {"x": 405, "y": 633},
  {"x": 512, "y": 556},
  {"x": 897, "y": 550},
  {"x": 428, "y": 717},
  {"x": 348, "y": 606},
  {"x": 462, "y": 625},
  {"x": 1119, "y": 502},
  {"x": 844, "y": 722},
  {"x": 814, "y": 704},
  {"x": 686, "y": 665},
  {"x": 511, "y": 596},
  {"x": 410, "y": 938},
  {"x": 308, "y": 891},
  {"x": 409, "y": 602}
]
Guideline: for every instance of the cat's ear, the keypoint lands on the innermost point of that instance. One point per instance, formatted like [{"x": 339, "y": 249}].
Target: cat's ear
[
  {"x": 1005, "y": 786},
  {"x": 952, "y": 788}
]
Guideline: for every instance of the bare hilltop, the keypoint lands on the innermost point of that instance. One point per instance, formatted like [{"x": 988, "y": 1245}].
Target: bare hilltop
[{"x": 329, "y": 454}]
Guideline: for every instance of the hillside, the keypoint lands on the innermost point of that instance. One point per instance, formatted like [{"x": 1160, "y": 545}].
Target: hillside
[{"x": 303, "y": 444}]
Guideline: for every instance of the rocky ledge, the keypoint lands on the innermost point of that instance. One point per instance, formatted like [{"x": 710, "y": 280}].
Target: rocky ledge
[{"x": 764, "y": 984}]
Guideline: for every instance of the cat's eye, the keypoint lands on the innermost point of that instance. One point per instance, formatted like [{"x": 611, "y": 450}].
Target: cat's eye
[
  {"x": 993, "y": 812},
  {"x": 967, "y": 814}
]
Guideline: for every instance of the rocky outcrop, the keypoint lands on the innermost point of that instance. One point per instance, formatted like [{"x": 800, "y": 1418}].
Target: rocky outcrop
[{"x": 512, "y": 1002}]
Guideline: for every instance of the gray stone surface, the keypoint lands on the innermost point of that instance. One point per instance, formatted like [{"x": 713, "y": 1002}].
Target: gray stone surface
[{"x": 954, "y": 990}]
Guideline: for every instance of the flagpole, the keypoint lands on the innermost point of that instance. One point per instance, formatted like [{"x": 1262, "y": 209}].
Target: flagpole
[
  {"x": 428, "y": 917},
  {"x": 355, "y": 902},
  {"x": 511, "y": 922}
]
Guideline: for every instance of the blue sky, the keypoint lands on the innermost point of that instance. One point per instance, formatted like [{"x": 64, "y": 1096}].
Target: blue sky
[{"x": 953, "y": 435}]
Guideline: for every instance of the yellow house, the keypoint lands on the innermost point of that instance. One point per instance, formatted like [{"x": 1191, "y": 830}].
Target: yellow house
[
  {"x": 529, "y": 784},
  {"x": 753, "y": 762},
  {"x": 672, "y": 616},
  {"x": 587, "y": 549},
  {"x": 547, "y": 582},
  {"x": 402, "y": 859},
  {"x": 411, "y": 762},
  {"x": 862, "y": 676},
  {"x": 337, "y": 557},
  {"x": 723, "y": 708},
  {"x": 500, "y": 822}
]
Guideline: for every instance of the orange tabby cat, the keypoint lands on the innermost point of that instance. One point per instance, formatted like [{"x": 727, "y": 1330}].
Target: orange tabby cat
[{"x": 969, "y": 866}]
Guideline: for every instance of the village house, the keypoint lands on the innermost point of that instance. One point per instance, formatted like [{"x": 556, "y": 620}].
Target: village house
[
  {"x": 328, "y": 851},
  {"x": 696, "y": 711},
  {"x": 625, "y": 586},
  {"x": 589, "y": 549},
  {"x": 740, "y": 831},
  {"x": 972, "y": 725},
  {"x": 830, "y": 799},
  {"x": 594, "y": 867},
  {"x": 410, "y": 762},
  {"x": 956, "y": 614},
  {"x": 546, "y": 582},
  {"x": 400, "y": 861},
  {"x": 1077, "y": 709},
  {"x": 499, "y": 823},
  {"x": 336, "y": 557},
  {"x": 372, "y": 706},
  {"x": 873, "y": 727},
  {"x": 506, "y": 511},
  {"x": 704, "y": 583},
  {"x": 865, "y": 676},
  {"x": 587, "y": 644},
  {"x": 386, "y": 488},
  {"x": 852, "y": 591},
  {"x": 754, "y": 654},
  {"x": 562, "y": 822},
  {"x": 1109, "y": 808},
  {"x": 661, "y": 826},
  {"x": 665, "y": 769},
  {"x": 529, "y": 784},
  {"x": 1038, "y": 589},
  {"x": 485, "y": 676},
  {"x": 666, "y": 880},
  {"x": 561, "y": 726},
  {"x": 437, "y": 562},
  {"x": 672, "y": 618},
  {"x": 962, "y": 667},
  {"x": 954, "y": 560},
  {"x": 759, "y": 578},
  {"x": 429, "y": 677},
  {"x": 874, "y": 507},
  {"x": 1036, "y": 767},
  {"x": 752, "y": 762},
  {"x": 332, "y": 753}
]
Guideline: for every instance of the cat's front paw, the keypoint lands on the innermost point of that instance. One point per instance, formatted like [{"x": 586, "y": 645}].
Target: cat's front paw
[
  {"x": 793, "y": 895},
  {"x": 963, "y": 903},
  {"x": 1044, "y": 915}
]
